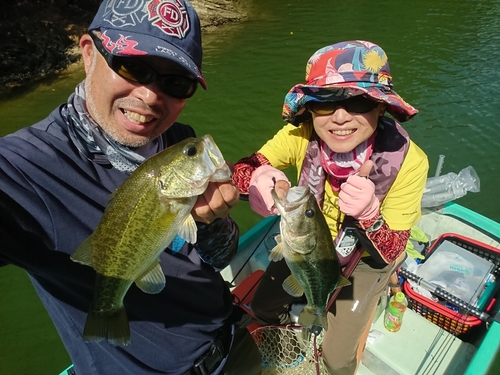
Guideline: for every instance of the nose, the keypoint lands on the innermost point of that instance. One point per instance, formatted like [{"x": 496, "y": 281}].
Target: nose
[
  {"x": 148, "y": 93},
  {"x": 340, "y": 115}
]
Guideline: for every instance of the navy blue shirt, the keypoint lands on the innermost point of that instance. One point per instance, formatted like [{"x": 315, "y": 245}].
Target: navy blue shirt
[{"x": 51, "y": 199}]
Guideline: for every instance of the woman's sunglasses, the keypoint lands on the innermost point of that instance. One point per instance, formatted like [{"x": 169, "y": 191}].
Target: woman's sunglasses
[
  {"x": 137, "y": 70},
  {"x": 356, "y": 104}
]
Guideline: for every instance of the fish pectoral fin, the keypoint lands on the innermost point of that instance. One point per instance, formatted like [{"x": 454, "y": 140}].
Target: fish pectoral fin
[
  {"x": 152, "y": 281},
  {"x": 276, "y": 253},
  {"x": 292, "y": 286},
  {"x": 188, "y": 230},
  {"x": 342, "y": 282},
  {"x": 83, "y": 254}
]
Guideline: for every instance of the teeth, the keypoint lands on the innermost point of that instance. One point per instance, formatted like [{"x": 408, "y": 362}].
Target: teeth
[
  {"x": 343, "y": 132},
  {"x": 136, "y": 117}
]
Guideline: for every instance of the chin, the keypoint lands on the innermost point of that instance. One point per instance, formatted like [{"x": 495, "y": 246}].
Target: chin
[
  {"x": 135, "y": 142},
  {"x": 131, "y": 140},
  {"x": 341, "y": 149}
]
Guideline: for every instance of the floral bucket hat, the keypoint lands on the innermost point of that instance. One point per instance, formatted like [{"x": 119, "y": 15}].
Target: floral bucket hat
[{"x": 343, "y": 70}]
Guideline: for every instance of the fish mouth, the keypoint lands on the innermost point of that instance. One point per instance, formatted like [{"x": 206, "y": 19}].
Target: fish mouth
[
  {"x": 222, "y": 174},
  {"x": 213, "y": 157},
  {"x": 291, "y": 208},
  {"x": 295, "y": 198}
]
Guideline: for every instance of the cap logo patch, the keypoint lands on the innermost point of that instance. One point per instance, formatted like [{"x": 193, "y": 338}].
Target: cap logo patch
[
  {"x": 123, "y": 46},
  {"x": 125, "y": 12},
  {"x": 170, "y": 16}
]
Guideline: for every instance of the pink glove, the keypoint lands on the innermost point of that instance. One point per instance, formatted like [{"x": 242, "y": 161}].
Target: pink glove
[
  {"x": 261, "y": 184},
  {"x": 357, "y": 198}
]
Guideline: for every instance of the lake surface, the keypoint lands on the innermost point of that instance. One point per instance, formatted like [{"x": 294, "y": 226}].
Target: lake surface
[{"x": 445, "y": 61}]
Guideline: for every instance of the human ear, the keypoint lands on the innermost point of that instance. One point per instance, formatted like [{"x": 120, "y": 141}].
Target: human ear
[
  {"x": 87, "y": 48},
  {"x": 382, "y": 108}
]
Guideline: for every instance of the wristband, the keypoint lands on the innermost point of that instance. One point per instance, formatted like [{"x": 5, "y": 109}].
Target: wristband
[{"x": 376, "y": 225}]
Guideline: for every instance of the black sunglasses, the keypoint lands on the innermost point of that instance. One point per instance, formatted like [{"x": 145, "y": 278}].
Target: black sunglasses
[
  {"x": 356, "y": 104},
  {"x": 137, "y": 70}
]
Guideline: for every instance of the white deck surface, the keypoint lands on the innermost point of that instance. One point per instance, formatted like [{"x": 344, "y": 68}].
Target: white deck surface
[
  {"x": 434, "y": 224},
  {"x": 419, "y": 348}
]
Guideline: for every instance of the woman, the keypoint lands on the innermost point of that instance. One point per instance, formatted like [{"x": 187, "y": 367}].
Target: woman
[{"x": 365, "y": 173}]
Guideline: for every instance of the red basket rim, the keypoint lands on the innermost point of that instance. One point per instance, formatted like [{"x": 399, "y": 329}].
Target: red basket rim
[
  {"x": 449, "y": 313},
  {"x": 472, "y": 241}
]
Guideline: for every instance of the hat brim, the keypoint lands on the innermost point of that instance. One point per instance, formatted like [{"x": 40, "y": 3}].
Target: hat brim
[
  {"x": 163, "y": 49},
  {"x": 301, "y": 94}
]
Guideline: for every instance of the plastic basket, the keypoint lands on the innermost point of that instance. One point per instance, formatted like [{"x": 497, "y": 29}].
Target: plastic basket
[{"x": 444, "y": 317}]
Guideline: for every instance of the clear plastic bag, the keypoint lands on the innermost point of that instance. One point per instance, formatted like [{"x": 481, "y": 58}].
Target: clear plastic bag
[{"x": 445, "y": 188}]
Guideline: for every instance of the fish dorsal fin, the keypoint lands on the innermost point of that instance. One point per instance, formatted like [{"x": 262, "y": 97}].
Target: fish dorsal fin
[
  {"x": 188, "y": 230},
  {"x": 153, "y": 280},
  {"x": 342, "y": 282},
  {"x": 83, "y": 254},
  {"x": 292, "y": 286},
  {"x": 276, "y": 253}
]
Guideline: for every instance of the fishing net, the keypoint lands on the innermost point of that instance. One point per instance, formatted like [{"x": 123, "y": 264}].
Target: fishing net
[{"x": 289, "y": 350}]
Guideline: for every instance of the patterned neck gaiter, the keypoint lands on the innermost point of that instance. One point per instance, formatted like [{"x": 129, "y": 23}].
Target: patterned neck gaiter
[
  {"x": 91, "y": 141},
  {"x": 339, "y": 166}
]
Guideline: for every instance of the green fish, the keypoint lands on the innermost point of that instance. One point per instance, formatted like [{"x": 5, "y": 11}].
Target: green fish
[
  {"x": 141, "y": 219},
  {"x": 306, "y": 244}
]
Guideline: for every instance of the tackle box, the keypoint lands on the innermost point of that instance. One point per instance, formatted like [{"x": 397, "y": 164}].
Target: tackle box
[{"x": 457, "y": 322}]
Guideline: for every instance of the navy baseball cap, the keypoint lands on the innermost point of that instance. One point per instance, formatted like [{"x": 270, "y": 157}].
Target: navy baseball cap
[{"x": 165, "y": 28}]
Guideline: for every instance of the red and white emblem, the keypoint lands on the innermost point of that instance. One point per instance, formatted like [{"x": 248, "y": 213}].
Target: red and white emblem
[{"x": 170, "y": 16}]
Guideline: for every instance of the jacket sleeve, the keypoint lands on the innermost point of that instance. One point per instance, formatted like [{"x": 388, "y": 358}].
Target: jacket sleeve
[
  {"x": 385, "y": 245},
  {"x": 401, "y": 209},
  {"x": 285, "y": 149},
  {"x": 20, "y": 236},
  {"x": 244, "y": 168},
  {"x": 217, "y": 242}
]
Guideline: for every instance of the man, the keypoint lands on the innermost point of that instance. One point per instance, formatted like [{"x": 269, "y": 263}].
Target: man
[{"x": 142, "y": 61}]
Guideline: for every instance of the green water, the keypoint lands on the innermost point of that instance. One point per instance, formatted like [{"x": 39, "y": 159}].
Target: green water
[{"x": 445, "y": 60}]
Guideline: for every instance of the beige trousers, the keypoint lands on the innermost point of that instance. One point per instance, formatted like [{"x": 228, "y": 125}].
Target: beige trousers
[{"x": 350, "y": 317}]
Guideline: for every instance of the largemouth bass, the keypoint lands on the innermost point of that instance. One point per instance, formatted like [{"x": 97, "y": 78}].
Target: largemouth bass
[
  {"x": 141, "y": 219},
  {"x": 306, "y": 244}
]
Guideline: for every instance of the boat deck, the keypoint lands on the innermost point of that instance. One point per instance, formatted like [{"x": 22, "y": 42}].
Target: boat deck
[{"x": 420, "y": 347}]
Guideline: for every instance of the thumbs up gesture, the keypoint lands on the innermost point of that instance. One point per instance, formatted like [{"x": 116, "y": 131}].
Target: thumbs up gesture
[{"x": 356, "y": 196}]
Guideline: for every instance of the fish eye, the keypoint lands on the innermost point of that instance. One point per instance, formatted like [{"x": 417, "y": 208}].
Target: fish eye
[
  {"x": 310, "y": 212},
  {"x": 190, "y": 150}
]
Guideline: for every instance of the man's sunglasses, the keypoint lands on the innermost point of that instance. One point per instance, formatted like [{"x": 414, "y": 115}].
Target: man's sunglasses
[
  {"x": 356, "y": 104},
  {"x": 137, "y": 70}
]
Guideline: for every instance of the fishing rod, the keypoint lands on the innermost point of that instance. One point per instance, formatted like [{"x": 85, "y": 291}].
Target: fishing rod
[{"x": 485, "y": 317}]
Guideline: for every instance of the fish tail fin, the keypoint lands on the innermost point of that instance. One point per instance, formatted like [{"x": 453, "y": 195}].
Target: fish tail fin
[
  {"x": 115, "y": 328},
  {"x": 310, "y": 317},
  {"x": 342, "y": 282}
]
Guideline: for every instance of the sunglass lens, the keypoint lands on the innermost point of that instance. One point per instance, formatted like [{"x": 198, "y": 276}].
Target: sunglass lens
[
  {"x": 178, "y": 86},
  {"x": 133, "y": 70},
  {"x": 138, "y": 71},
  {"x": 359, "y": 104},
  {"x": 322, "y": 108}
]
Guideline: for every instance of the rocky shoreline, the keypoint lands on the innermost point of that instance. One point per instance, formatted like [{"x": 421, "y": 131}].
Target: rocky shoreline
[{"x": 39, "y": 38}]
